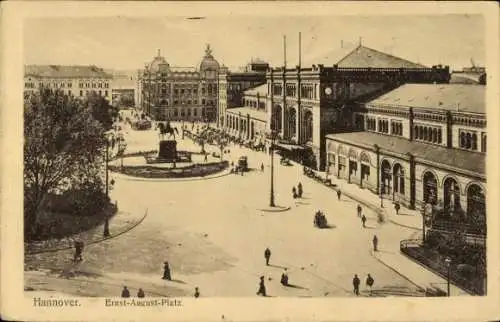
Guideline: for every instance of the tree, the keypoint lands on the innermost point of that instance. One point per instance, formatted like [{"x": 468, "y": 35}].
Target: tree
[
  {"x": 63, "y": 144},
  {"x": 101, "y": 110}
]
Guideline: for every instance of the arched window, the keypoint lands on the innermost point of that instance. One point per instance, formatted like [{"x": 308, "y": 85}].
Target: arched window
[
  {"x": 417, "y": 132},
  {"x": 399, "y": 179},
  {"x": 462, "y": 140},
  {"x": 434, "y": 135},
  {"x": 476, "y": 201},
  {"x": 426, "y": 134},
  {"x": 292, "y": 122},
  {"x": 474, "y": 141},
  {"x": 308, "y": 126},
  {"x": 430, "y": 188},
  {"x": 421, "y": 132},
  {"x": 451, "y": 194},
  {"x": 440, "y": 136},
  {"x": 468, "y": 141}
]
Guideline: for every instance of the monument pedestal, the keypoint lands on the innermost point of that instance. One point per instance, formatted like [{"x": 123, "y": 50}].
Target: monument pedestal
[{"x": 168, "y": 150}]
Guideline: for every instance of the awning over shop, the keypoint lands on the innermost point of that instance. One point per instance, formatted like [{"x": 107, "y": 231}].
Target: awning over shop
[{"x": 290, "y": 147}]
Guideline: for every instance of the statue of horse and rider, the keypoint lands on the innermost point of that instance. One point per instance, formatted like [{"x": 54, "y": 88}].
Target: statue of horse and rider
[{"x": 166, "y": 129}]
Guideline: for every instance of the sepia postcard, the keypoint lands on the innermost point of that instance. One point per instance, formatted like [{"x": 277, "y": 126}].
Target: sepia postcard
[{"x": 249, "y": 161}]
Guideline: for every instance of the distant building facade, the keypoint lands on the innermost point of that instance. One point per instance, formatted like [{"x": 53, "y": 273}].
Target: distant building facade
[
  {"x": 77, "y": 81},
  {"x": 248, "y": 121},
  {"x": 179, "y": 93},
  {"x": 232, "y": 85},
  {"x": 418, "y": 144}
]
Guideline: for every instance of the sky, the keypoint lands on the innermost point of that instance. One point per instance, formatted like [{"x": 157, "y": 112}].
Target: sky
[{"x": 129, "y": 43}]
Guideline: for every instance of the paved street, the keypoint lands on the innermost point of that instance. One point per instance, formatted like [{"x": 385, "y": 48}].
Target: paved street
[{"x": 213, "y": 235}]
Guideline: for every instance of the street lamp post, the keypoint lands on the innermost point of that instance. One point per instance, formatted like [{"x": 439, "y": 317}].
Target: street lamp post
[
  {"x": 271, "y": 196},
  {"x": 448, "y": 265},
  {"x": 107, "y": 185}
]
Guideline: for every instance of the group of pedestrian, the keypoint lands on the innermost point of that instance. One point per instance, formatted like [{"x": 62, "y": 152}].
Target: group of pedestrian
[
  {"x": 356, "y": 281},
  {"x": 126, "y": 292},
  {"x": 361, "y": 215},
  {"x": 297, "y": 192}
]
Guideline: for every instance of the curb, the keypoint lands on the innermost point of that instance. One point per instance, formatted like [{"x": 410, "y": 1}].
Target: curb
[
  {"x": 376, "y": 209},
  {"x": 403, "y": 225},
  {"x": 132, "y": 178},
  {"x": 276, "y": 209},
  {"x": 423, "y": 289},
  {"x": 126, "y": 230}
]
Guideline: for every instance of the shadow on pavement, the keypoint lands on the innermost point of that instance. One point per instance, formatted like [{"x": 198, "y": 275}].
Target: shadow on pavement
[
  {"x": 296, "y": 286},
  {"x": 277, "y": 266}
]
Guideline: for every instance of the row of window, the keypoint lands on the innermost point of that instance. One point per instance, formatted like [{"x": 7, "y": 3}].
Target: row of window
[
  {"x": 308, "y": 92},
  {"x": 291, "y": 90},
  {"x": 88, "y": 85},
  {"x": 428, "y": 134},
  {"x": 383, "y": 126},
  {"x": 252, "y": 103},
  {"x": 396, "y": 128},
  {"x": 87, "y": 93},
  {"x": 175, "y": 112},
  {"x": 371, "y": 124},
  {"x": 468, "y": 140}
]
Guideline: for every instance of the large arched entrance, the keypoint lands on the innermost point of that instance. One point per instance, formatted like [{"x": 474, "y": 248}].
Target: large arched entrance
[
  {"x": 292, "y": 122},
  {"x": 386, "y": 177},
  {"x": 476, "y": 203},
  {"x": 451, "y": 196},
  {"x": 276, "y": 123},
  {"x": 308, "y": 126},
  {"x": 430, "y": 188},
  {"x": 399, "y": 180}
]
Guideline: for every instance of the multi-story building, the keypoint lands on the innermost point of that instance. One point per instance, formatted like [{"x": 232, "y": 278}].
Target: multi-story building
[
  {"x": 232, "y": 85},
  {"x": 305, "y": 104},
  {"x": 418, "y": 144},
  {"x": 77, "y": 81},
  {"x": 179, "y": 93}
]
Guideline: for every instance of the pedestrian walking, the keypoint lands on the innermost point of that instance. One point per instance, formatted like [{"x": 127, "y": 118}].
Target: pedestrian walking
[
  {"x": 397, "y": 207},
  {"x": 363, "y": 220},
  {"x": 262, "y": 167},
  {"x": 267, "y": 255},
  {"x": 125, "y": 292},
  {"x": 359, "y": 210},
  {"x": 375, "y": 243},
  {"x": 140, "y": 293},
  {"x": 166, "y": 272},
  {"x": 206, "y": 157},
  {"x": 284, "y": 278},
  {"x": 78, "y": 250},
  {"x": 339, "y": 193},
  {"x": 196, "y": 292},
  {"x": 355, "y": 284},
  {"x": 299, "y": 190},
  {"x": 369, "y": 282},
  {"x": 294, "y": 193},
  {"x": 106, "y": 228},
  {"x": 262, "y": 287}
]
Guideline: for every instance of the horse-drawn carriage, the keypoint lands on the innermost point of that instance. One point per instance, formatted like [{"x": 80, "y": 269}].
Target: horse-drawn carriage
[
  {"x": 285, "y": 161},
  {"x": 320, "y": 220}
]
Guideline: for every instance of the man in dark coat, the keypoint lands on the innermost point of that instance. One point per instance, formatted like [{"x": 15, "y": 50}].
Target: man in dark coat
[
  {"x": 262, "y": 287},
  {"x": 166, "y": 272},
  {"x": 106, "y": 228},
  {"x": 369, "y": 282},
  {"x": 294, "y": 193},
  {"x": 140, "y": 293},
  {"x": 339, "y": 193},
  {"x": 375, "y": 243},
  {"x": 284, "y": 278},
  {"x": 299, "y": 190},
  {"x": 125, "y": 292},
  {"x": 359, "y": 210},
  {"x": 355, "y": 284},
  {"x": 363, "y": 220},
  {"x": 267, "y": 255},
  {"x": 196, "y": 292}
]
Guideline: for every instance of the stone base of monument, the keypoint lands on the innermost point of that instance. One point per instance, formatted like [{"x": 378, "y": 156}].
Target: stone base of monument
[{"x": 168, "y": 154}]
